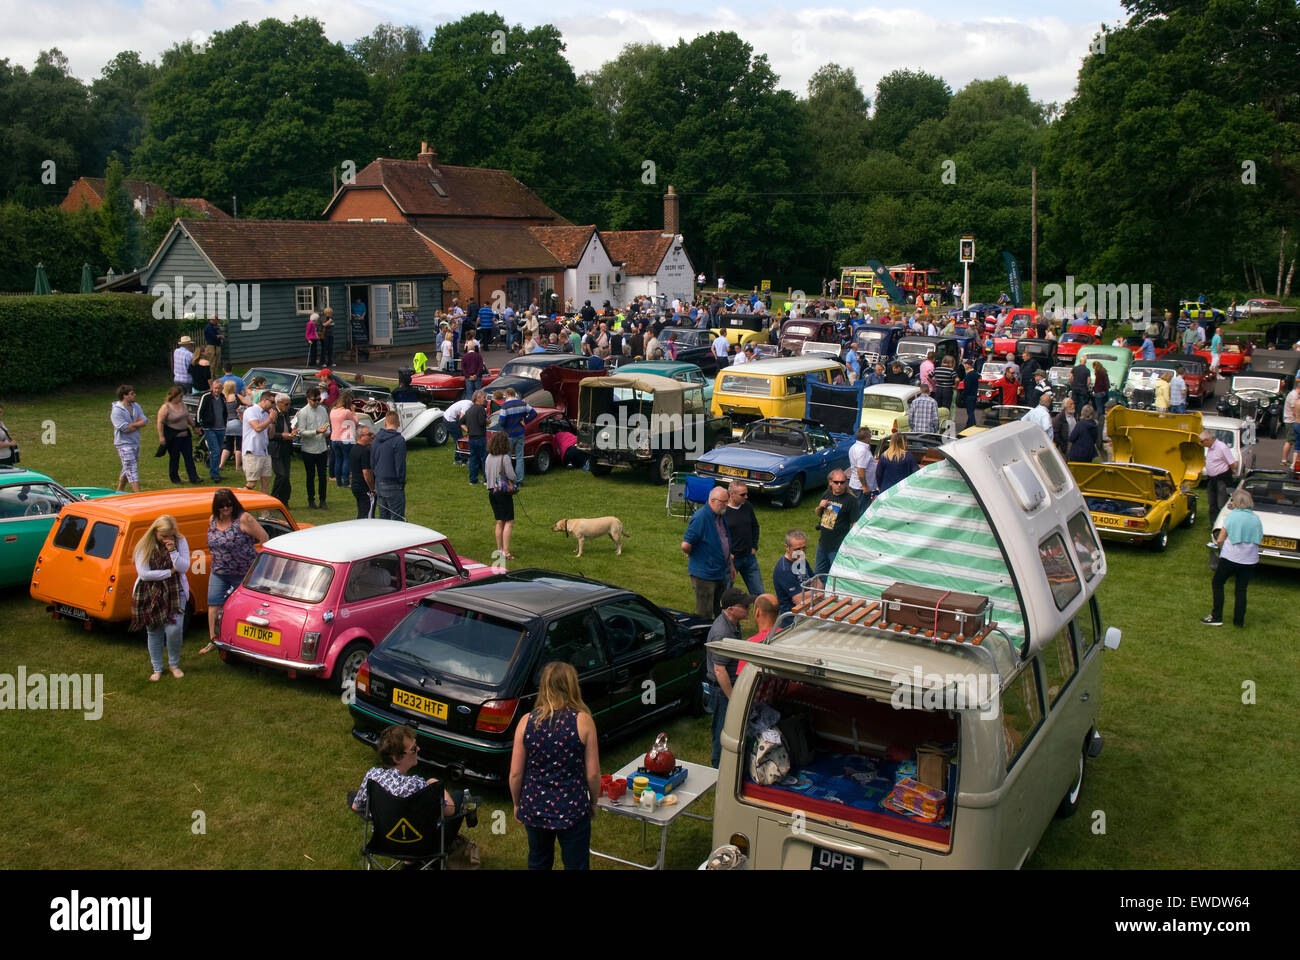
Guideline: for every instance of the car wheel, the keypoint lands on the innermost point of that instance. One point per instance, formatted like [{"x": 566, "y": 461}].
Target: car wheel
[
  {"x": 1070, "y": 802},
  {"x": 1161, "y": 542},
  {"x": 662, "y": 470},
  {"x": 436, "y": 433},
  {"x": 542, "y": 462},
  {"x": 1191, "y": 512},
  {"x": 1274, "y": 428},
  {"x": 347, "y": 665},
  {"x": 793, "y": 493},
  {"x": 600, "y": 469},
  {"x": 696, "y": 702}
]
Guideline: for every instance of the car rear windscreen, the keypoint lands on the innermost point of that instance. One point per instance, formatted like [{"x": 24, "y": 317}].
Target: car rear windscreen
[
  {"x": 70, "y": 530},
  {"x": 290, "y": 578},
  {"x": 457, "y": 643},
  {"x": 102, "y": 540}
]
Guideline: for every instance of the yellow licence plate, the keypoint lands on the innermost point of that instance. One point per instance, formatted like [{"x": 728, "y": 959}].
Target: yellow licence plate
[
  {"x": 413, "y": 701},
  {"x": 1279, "y": 542},
  {"x": 1107, "y": 521},
  {"x": 260, "y": 634},
  {"x": 733, "y": 471}
]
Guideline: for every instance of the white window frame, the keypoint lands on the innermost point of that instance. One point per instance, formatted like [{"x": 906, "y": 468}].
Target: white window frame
[
  {"x": 407, "y": 300},
  {"x": 298, "y": 297},
  {"x": 378, "y": 219},
  {"x": 594, "y": 283},
  {"x": 356, "y": 219}
]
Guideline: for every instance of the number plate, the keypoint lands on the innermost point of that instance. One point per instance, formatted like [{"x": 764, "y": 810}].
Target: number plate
[
  {"x": 1107, "y": 521},
  {"x": 825, "y": 859},
  {"x": 413, "y": 701},
  {"x": 733, "y": 471},
  {"x": 1279, "y": 542},
  {"x": 260, "y": 634},
  {"x": 72, "y": 612}
]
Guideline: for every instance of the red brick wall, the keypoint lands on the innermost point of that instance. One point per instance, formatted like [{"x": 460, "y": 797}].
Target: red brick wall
[{"x": 366, "y": 204}]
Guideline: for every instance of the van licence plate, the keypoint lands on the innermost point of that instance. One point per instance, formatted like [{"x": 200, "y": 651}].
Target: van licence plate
[
  {"x": 1280, "y": 542},
  {"x": 260, "y": 634},
  {"x": 826, "y": 859},
  {"x": 413, "y": 701}
]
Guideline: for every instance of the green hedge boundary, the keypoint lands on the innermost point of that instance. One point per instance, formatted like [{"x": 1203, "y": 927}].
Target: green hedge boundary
[{"x": 49, "y": 341}]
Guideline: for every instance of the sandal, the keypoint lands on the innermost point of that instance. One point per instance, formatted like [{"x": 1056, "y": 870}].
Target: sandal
[
  {"x": 510, "y": 556},
  {"x": 177, "y": 672},
  {"x": 209, "y": 646},
  {"x": 155, "y": 677}
]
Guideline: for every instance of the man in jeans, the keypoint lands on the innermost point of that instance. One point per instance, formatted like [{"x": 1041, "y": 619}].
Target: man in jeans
[
  {"x": 475, "y": 422},
  {"x": 707, "y": 544},
  {"x": 721, "y": 670},
  {"x": 512, "y": 416},
  {"x": 212, "y": 420},
  {"x": 471, "y": 366},
  {"x": 388, "y": 461},
  {"x": 314, "y": 428},
  {"x": 742, "y": 527},
  {"x": 1219, "y": 464}
]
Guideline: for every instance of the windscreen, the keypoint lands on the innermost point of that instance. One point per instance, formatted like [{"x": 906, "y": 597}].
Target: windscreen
[
  {"x": 289, "y": 578},
  {"x": 457, "y": 643}
]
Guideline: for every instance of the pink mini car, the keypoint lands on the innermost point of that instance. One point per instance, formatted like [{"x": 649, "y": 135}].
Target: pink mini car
[{"x": 318, "y": 600}]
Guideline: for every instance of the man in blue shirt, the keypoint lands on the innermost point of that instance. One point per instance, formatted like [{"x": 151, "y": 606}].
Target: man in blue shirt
[
  {"x": 1148, "y": 348},
  {"x": 240, "y": 387},
  {"x": 486, "y": 322},
  {"x": 791, "y": 570},
  {"x": 511, "y": 417},
  {"x": 707, "y": 544}
]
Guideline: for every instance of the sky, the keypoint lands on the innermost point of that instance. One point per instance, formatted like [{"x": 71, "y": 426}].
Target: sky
[{"x": 1039, "y": 44}]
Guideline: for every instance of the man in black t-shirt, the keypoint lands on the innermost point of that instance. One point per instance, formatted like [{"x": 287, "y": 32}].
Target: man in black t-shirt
[
  {"x": 363, "y": 478},
  {"x": 835, "y": 517}
]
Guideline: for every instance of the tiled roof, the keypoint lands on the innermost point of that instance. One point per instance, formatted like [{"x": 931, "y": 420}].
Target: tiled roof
[
  {"x": 470, "y": 192},
  {"x": 566, "y": 243},
  {"x": 300, "y": 249},
  {"x": 640, "y": 251},
  {"x": 135, "y": 189},
  {"x": 493, "y": 246},
  {"x": 205, "y": 207}
]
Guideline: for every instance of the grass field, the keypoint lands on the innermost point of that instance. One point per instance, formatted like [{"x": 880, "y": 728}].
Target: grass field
[{"x": 1191, "y": 776}]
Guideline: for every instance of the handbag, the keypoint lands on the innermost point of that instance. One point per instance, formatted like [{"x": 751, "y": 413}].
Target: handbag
[
  {"x": 769, "y": 761},
  {"x": 503, "y": 483}
]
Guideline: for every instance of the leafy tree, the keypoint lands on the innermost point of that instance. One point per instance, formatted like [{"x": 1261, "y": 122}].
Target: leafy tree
[
  {"x": 263, "y": 112},
  {"x": 62, "y": 241},
  {"x": 118, "y": 221},
  {"x": 905, "y": 99},
  {"x": 385, "y": 54},
  {"x": 118, "y": 100},
  {"x": 44, "y": 116}
]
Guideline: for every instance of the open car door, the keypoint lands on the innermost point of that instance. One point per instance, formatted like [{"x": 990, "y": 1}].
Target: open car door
[{"x": 561, "y": 382}]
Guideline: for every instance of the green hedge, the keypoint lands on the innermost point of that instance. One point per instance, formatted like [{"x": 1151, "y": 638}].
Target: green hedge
[{"x": 47, "y": 342}]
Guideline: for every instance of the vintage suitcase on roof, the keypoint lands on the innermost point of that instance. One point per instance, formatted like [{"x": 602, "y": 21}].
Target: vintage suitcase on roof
[{"x": 934, "y": 611}]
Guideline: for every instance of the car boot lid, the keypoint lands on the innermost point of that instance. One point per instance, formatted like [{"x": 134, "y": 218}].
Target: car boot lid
[{"x": 1168, "y": 441}]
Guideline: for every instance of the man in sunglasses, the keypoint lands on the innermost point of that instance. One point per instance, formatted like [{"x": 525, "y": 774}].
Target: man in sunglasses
[
  {"x": 835, "y": 516},
  {"x": 742, "y": 524}
]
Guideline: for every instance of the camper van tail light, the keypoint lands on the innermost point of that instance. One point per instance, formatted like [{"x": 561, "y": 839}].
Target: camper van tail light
[
  {"x": 495, "y": 715},
  {"x": 740, "y": 842},
  {"x": 310, "y": 641},
  {"x": 362, "y": 683}
]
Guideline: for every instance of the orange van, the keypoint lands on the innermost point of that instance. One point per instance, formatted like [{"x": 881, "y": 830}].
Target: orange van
[{"x": 85, "y": 570}]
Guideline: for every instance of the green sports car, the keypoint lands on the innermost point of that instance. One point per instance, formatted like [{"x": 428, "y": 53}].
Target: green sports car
[{"x": 29, "y": 502}]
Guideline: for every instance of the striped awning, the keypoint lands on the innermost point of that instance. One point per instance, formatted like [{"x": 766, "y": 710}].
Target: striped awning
[{"x": 929, "y": 530}]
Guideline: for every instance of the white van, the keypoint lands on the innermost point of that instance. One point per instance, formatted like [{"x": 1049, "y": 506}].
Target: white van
[{"x": 936, "y": 701}]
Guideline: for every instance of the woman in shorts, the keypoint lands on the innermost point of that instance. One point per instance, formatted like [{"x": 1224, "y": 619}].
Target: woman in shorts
[{"x": 232, "y": 534}]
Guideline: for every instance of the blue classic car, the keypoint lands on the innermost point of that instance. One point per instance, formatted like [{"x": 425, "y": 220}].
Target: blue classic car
[{"x": 780, "y": 457}]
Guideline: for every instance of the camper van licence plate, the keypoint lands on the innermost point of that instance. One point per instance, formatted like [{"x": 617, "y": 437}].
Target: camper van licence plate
[{"x": 826, "y": 859}]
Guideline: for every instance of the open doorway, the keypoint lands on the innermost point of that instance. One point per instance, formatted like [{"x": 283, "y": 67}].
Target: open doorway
[{"x": 359, "y": 320}]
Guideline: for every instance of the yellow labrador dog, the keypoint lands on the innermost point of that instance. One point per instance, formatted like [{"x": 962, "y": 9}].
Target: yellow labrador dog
[{"x": 592, "y": 527}]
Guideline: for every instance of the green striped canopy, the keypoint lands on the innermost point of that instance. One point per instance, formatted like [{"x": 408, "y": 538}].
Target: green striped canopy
[{"x": 929, "y": 530}]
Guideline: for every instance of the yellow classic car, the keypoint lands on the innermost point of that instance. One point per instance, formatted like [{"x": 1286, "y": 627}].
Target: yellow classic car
[{"x": 1149, "y": 488}]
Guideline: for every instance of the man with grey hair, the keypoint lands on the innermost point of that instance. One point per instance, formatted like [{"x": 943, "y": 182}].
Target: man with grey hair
[
  {"x": 1219, "y": 464},
  {"x": 791, "y": 570},
  {"x": 1041, "y": 414},
  {"x": 280, "y": 448}
]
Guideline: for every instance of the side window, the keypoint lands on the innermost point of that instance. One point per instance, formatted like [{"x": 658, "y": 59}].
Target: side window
[
  {"x": 1061, "y": 578},
  {"x": 1087, "y": 551},
  {"x": 1058, "y": 665},
  {"x": 29, "y": 500},
  {"x": 273, "y": 521},
  {"x": 70, "y": 531},
  {"x": 1086, "y": 625},
  {"x": 573, "y": 639},
  {"x": 693, "y": 400},
  {"x": 630, "y": 626},
  {"x": 427, "y": 564},
  {"x": 102, "y": 539},
  {"x": 795, "y": 383},
  {"x": 1022, "y": 713},
  {"x": 372, "y": 577}
]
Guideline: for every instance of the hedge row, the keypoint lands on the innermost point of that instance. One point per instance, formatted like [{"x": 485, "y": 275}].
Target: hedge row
[{"x": 47, "y": 342}]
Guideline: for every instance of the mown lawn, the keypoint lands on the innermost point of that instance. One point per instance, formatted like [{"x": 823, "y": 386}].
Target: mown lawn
[{"x": 1190, "y": 777}]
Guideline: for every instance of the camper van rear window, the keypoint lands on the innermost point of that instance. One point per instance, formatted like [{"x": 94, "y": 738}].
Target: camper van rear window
[
  {"x": 1061, "y": 576},
  {"x": 1087, "y": 551},
  {"x": 1049, "y": 461},
  {"x": 1026, "y": 486}
]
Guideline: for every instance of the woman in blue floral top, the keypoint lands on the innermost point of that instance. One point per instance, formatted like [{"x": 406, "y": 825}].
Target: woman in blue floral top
[{"x": 555, "y": 772}]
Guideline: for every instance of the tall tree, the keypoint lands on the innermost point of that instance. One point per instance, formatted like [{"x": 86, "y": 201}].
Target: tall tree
[
  {"x": 385, "y": 54},
  {"x": 904, "y": 100},
  {"x": 45, "y": 129},
  {"x": 118, "y": 221},
  {"x": 118, "y": 100}
]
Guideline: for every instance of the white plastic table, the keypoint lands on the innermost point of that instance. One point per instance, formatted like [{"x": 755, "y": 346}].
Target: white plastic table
[{"x": 699, "y": 781}]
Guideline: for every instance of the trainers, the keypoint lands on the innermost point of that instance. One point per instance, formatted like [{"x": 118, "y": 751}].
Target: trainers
[{"x": 1211, "y": 621}]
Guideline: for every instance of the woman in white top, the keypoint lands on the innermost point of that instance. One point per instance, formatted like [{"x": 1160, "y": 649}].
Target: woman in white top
[{"x": 161, "y": 591}]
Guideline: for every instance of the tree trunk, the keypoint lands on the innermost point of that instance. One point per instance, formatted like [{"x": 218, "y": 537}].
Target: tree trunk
[
  {"x": 1286, "y": 290},
  {"x": 1281, "y": 262},
  {"x": 1245, "y": 272},
  {"x": 1259, "y": 281}
]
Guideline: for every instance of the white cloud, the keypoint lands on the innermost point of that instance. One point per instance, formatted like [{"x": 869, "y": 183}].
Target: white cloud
[{"x": 1042, "y": 51}]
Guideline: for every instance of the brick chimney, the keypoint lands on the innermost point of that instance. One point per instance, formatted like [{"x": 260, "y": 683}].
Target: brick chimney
[
  {"x": 427, "y": 154},
  {"x": 672, "y": 213}
]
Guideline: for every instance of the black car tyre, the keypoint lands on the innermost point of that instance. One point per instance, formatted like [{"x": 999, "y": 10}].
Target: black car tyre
[
  {"x": 1161, "y": 542},
  {"x": 663, "y": 468},
  {"x": 600, "y": 469},
  {"x": 1070, "y": 802},
  {"x": 1191, "y": 513},
  {"x": 793, "y": 493},
  {"x": 542, "y": 462},
  {"x": 1274, "y": 427},
  {"x": 346, "y": 666},
  {"x": 436, "y": 433}
]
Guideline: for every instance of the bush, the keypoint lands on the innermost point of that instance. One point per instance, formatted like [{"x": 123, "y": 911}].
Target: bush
[{"x": 64, "y": 338}]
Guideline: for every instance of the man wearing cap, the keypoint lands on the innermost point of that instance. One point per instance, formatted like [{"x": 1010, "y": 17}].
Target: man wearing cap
[
  {"x": 707, "y": 544},
  {"x": 182, "y": 357},
  {"x": 721, "y": 669}
]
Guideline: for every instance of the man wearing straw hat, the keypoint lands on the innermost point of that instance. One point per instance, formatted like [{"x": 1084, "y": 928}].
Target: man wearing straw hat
[{"x": 182, "y": 357}]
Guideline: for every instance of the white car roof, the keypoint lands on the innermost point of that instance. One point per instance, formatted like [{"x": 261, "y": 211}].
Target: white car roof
[
  {"x": 351, "y": 540},
  {"x": 903, "y": 391},
  {"x": 784, "y": 365},
  {"x": 1212, "y": 422}
]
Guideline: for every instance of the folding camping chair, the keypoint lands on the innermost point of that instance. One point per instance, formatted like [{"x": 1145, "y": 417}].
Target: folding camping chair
[
  {"x": 406, "y": 830},
  {"x": 687, "y": 493}
]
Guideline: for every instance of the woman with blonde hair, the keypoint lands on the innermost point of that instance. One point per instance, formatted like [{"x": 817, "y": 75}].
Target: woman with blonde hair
[
  {"x": 1162, "y": 387},
  {"x": 230, "y": 448},
  {"x": 555, "y": 771},
  {"x": 894, "y": 464},
  {"x": 158, "y": 599},
  {"x": 343, "y": 434}
]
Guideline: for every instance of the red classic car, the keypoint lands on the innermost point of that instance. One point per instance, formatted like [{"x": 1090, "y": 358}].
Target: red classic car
[
  {"x": 540, "y": 446},
  {"x": 1134, "y": 343},
  {"x": 446, "y": 386},
  {"x": 1079, "y": 335},
  {"x": 1232, "y": 359}
]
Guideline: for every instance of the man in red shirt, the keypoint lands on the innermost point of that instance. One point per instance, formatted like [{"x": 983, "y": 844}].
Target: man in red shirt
[
  {"x": 765, "y": 613},
  {"x": 1009, "y": 384}
]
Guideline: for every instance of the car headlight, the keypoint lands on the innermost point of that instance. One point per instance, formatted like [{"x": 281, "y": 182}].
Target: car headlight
[{"x": 1233, "y": 401}]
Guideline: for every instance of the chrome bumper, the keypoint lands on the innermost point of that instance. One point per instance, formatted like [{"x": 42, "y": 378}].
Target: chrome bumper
[{"x": 298, "y": 666}]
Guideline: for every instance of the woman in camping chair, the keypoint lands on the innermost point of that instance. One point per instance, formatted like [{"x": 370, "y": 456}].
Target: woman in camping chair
[{"x": 398, "y": 753}]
